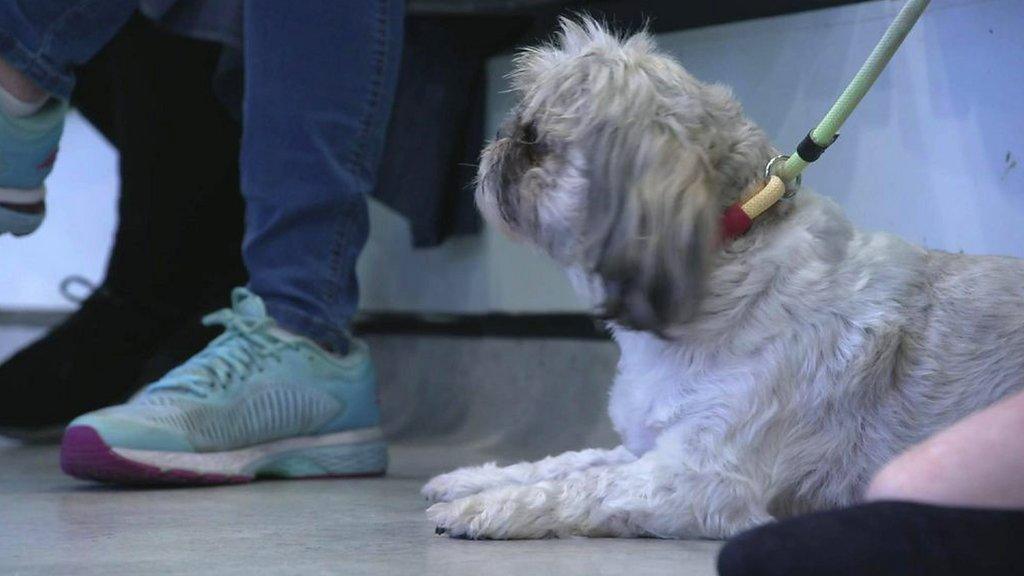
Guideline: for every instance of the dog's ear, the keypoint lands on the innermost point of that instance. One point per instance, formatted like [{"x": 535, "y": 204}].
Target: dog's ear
[{"x": 649, "y": 225}]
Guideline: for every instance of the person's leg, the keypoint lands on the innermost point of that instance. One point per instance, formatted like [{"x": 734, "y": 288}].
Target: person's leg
[
  {"x": 316, "y": 109},
  {"x": 40, "y": 41},
  {"x": 283, "y": 392},
  {"x": 26, "y": 93},
  {"x": 45, "y": 39}
]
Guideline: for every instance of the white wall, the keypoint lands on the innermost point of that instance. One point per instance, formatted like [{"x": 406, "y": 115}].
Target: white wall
[{"x": 932, "y": 154}]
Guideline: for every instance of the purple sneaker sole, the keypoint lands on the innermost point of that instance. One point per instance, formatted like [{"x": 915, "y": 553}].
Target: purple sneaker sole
[{"x": 84, "y": 455}]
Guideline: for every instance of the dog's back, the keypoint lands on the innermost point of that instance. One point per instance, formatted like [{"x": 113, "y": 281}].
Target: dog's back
[{"x": 970, "y": 348}]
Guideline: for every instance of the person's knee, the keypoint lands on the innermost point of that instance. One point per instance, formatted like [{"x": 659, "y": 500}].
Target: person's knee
[
  {"x": 890, "y": 483},
  {"x": 909, "y": 476}
]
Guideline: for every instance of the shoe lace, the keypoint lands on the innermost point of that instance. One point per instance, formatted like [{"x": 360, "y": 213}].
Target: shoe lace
[
  {"x": 70, "y": 294},
  {"x": 245, "y": 346}
]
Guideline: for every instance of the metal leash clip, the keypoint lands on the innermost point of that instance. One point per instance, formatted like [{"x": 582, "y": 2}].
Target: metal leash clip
[{"x": 791, "y": 187}]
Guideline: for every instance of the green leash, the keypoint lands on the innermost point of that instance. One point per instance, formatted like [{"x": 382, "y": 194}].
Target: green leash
[
  {"x": 739, "y": 217},
  {"x": 828, "y": 129}
]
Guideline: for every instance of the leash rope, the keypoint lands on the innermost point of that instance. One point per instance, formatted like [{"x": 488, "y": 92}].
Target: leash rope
[{"x": 739, "y": 217}]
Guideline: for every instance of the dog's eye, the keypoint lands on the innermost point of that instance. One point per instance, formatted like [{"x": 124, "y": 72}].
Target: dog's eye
[
  {"x": 529, "y": 134},
  {"x": 530, "y": 140}
]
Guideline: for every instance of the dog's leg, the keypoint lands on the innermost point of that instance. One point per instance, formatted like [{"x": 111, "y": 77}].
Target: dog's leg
[
  {"x": 474, "y": 479},
  {"x": 652, "y": 496}
]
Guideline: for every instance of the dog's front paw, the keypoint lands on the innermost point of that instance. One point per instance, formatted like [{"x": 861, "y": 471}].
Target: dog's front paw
[
  {"x": 462, "y": 482},
  {"x": 504, "y": 513}
]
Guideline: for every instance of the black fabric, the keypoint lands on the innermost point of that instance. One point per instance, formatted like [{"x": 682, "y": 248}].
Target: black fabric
[
  {"x": 882, "y": 539},
  {"x": 180, "y": 210},
  {"x": 436, "y": 129},
  {"x": 177, "y": 251}
]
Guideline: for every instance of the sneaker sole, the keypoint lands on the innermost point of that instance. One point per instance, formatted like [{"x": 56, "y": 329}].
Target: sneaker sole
[
  {"x": 85, "y": 455},
  {"x": 19, "y": 223}
]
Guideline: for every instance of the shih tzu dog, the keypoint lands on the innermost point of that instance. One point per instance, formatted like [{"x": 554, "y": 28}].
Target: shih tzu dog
[{"x": 761, "y": 376}]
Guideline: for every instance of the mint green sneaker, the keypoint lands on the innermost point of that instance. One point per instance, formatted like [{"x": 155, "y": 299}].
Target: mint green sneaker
[
  {"x": 257, "y": 402},
  {"x": 28, "y": 149}
]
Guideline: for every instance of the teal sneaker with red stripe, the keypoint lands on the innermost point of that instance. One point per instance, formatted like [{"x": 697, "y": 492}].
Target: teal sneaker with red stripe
[{"x": 28, "y": 149}]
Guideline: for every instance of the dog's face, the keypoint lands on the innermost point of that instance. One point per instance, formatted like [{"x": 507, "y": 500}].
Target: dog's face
[{"x": 618, "y": 162}]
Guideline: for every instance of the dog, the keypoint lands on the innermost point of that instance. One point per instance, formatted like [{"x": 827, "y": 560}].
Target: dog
[{"x": 760, "y": 377}]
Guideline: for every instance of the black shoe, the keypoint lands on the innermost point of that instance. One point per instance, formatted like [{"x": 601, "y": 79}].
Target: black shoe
[{"x": 98, "y": 356}]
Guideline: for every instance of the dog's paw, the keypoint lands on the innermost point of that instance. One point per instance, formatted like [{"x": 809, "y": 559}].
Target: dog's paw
[
  {"x": 504, "y": 513},
  {"x": 463, "y": 482}
]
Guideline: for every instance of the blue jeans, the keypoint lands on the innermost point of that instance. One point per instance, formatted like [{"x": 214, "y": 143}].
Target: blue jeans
[{"x": 319, "y": 83}]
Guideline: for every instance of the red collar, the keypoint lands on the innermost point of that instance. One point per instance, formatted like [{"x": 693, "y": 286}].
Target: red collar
[
  {"x": 738, "y": 218},
  {"x": 735, "y": 223}
]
